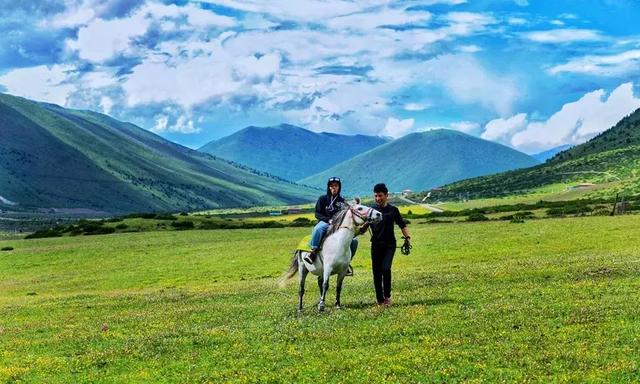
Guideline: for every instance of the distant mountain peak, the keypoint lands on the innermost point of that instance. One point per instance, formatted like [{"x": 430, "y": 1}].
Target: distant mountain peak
[
  {"x": 289, "y": 151},
  {"x": 422, "y": 160}
]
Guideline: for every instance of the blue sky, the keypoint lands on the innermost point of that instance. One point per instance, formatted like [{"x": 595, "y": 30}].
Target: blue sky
[{"x": 529, "y": 74}]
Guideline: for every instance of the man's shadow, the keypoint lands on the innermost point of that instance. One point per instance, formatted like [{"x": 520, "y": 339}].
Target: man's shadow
[{"x": 401, "y": 303}]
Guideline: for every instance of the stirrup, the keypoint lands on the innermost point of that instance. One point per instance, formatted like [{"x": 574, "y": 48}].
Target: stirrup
[{"x": 311, "y": 256}]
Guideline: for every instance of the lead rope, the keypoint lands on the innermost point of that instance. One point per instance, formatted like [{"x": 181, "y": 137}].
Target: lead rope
[{"x": 406, "y": 247}]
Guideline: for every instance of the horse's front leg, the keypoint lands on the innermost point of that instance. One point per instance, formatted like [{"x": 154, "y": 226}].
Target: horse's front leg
[
  {"x": 339, "y": 289},
  {"x": 323, "y": 288},
  {"x": 302, "y": 271}
]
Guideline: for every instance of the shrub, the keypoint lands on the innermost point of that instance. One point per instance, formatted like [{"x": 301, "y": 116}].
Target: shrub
[
  {"x": 182, "y": 225},
  {"x": 99, "y": 231},
  {"x": 436, "y": 221},
  {"x": 44, "y": 233},
  {"x": 165, "y": 216},
  {"x": 6, "y": 249},
  {"x": 122, "y": 226},
  {"x": 141, "y": 215},
  {"x": 301, "y": 222},
  {"x": 208, "y": 224},
  {"x": 476, "y": 216}
]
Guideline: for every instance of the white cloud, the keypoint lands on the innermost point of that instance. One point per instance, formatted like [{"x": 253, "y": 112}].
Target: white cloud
[
  {"x": 40, "y": 83},
  {"x": 161, "y": 125},
  {"x": 501, "y": 130},
  {"x": 416, "y": 106},
  {"x": 469, "y": 48},
  {"x": 106, "y": 104},
  {"x": 578, "y": 121},
  {"x": 202, "y": 18},
  {"x": 562, "y": 36},
  {"x": 517, "y": 21},
  {"x": 183, "y": 124},
  {"x": 101, "y": 40},
  {"x": 522, "y": 3},
  {"x": 605, "y": 65},
  {"x": 467, "y": 23},
  {"x": 301, "y": 10},
  {"x": 98, "y": 79},
  {"x": 187, "y": 82},
  {"x": 71, "y": 17},
  {"x": 465, "y": 126},
  {"x": 469, "y": 82},
  {"x": 257, "y": 69},
  {"x": 372, "y": 20},
  {"x": 397, "y": 128}
]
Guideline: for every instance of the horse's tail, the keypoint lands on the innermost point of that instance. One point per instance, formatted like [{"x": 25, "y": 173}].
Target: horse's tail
[{"x": 293, "y": 269}]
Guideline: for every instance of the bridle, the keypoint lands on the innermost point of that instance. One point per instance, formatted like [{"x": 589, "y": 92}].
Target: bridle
[{"x": 366, "y": 217}]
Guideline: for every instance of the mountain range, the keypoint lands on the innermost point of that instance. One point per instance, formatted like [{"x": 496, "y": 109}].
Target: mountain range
[
  {"x": 290, "y": 152},
  {"x": 52, "y": 157},
  {"x": 423, "y": 160}
]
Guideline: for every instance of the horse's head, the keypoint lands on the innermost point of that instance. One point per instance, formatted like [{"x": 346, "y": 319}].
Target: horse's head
[{"x": 363, "y": 214}]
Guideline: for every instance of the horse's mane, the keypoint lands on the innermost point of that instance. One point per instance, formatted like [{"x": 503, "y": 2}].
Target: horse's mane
[{"x": 337, "y": 220}]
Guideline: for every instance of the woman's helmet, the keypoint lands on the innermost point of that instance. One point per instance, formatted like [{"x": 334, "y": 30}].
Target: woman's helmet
[{"x": 334, "y": 180}]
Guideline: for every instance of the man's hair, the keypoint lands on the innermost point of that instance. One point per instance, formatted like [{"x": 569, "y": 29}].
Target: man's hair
[{"x": 380, "y": 188}]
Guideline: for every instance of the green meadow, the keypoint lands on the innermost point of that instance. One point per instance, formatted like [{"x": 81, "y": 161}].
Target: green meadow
[{"x": 553, "y": 300}]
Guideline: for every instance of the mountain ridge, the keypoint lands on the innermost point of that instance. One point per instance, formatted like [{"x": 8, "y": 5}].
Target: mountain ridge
[{"x": 289, "y": 151}]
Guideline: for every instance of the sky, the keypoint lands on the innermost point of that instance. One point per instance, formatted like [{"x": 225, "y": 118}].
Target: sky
[{"x": 529, "y": 74}]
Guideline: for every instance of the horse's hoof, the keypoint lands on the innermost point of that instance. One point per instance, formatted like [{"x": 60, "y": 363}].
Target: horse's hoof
[
  {"x": 321, "y": 307},
  {"x": 338, "y": 306}
]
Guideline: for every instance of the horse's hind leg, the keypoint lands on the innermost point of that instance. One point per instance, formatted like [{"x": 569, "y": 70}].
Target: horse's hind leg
[
  {"x": 339, "y": 290},
  {"x": 302, "y": 271}
]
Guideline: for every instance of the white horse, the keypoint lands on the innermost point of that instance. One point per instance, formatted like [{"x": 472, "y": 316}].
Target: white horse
[{"x": 335, "y": 256}]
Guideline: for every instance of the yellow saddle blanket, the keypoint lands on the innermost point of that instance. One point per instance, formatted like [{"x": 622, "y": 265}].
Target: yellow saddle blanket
[{"x": 303, "y": 245}]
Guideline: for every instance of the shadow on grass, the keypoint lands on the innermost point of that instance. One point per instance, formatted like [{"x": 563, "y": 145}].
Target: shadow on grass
[{"x": 402, "y": 303}]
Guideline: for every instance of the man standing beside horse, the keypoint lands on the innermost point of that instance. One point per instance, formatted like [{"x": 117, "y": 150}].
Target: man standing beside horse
[{"x": 383, "y": 243}]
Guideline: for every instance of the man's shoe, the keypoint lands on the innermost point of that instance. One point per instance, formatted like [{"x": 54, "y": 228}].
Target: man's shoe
[
  {"x": 387, "y": 302},
  {"x": 311, "y": 256},
  {"x": 349, "y": 270}
]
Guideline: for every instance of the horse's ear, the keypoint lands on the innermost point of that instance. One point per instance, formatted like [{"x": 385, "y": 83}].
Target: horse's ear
[{"x": 357, "y": 199}]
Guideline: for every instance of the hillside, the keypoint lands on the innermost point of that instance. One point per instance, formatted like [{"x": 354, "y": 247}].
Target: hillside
[
  {"x": 288, "y": 151},
  {"x": 611, "y": 157},
  {"x": 423, "y": 160},
  {"x": 52, "y": 157}
]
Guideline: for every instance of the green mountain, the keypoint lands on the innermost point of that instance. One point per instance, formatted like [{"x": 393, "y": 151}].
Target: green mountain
[
  {"x": 52, "y": 157},
  {"x": 288, "y": 151},
  {"x": 611, "y": 157},
  {"x": 423, "y": 160}
]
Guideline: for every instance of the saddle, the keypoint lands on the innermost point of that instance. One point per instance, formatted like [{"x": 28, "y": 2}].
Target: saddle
[{"x": 304, "y": 246}]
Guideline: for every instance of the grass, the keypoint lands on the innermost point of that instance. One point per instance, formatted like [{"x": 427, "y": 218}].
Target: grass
[{"x": 544, "y": 301}]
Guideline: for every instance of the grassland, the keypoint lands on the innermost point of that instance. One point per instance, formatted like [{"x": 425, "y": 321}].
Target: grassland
[{"x": 543, "y": 301}]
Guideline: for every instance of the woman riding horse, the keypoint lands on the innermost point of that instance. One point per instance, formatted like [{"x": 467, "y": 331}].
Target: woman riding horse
[{"x": 326, "y": 207}]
